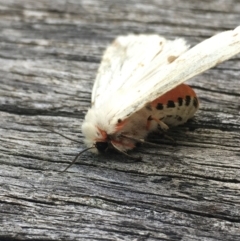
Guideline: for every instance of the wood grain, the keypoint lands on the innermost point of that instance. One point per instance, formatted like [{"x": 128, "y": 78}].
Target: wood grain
[{"x": 50, "y": 52}]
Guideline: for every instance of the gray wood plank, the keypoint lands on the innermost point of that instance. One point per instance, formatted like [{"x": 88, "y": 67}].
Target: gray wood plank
[{"x": 50, "y": 52}]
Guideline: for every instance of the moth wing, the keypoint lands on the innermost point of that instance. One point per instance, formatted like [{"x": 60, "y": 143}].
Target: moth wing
[
  {"x": 157, "y": 80},
  {"x": 127, "y": 59}
]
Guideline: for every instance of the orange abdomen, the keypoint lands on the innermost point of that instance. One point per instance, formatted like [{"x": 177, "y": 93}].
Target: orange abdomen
[{"x": 176, "y": 106}]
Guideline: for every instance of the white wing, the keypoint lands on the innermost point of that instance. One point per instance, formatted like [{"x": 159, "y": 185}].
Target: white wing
[
  {"x": 122, "y": 87},
  {"x": 128, "y": 58}
]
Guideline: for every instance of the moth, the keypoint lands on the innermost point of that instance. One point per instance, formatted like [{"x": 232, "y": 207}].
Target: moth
[{"x": 139, "y": 86}]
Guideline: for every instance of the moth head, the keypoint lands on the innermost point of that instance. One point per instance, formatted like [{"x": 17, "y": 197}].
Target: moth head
[
  {"x": 94, "y": 137},
  {"x": 94, "y": 132}
]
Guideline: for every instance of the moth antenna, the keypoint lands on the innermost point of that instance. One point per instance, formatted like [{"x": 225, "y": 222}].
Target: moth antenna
[
  {"x": 136, "y": 158},
  {"x": 61, "y": 134},
  {"x": 76, "y": 157}
]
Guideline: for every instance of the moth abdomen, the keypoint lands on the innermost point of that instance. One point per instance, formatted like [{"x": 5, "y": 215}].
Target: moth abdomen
[{"x": 176, "y": 106}]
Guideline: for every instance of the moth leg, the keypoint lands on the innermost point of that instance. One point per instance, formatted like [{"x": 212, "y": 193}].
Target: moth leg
[
  {"x": 160, "y": 131},
  {"x": 161, "y": 124},
  {"x": 135, "y": 158},
  {"x": 162, "y": 128},
  {"x": 140, "y": 141}
]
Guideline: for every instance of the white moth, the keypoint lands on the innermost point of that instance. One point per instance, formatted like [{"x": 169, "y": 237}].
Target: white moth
[{"x": 139, "y": 86}]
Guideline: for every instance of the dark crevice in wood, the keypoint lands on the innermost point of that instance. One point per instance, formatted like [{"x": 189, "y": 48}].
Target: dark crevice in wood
[
  {"x": 7, "y": 238},
  {"x": 36, "y": 112},
  {"x": 215, "y": 165},
  {"x": 184, "y": 176},
  {"x": 29, "y": 200},
  {"x": 208, "y": 215},
  {"x": 215, "y": 91}
]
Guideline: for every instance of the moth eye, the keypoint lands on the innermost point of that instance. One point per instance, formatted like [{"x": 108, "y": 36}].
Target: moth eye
[
  {"x": 101, "y": 146},
  {"x": 98, "y": 134}
]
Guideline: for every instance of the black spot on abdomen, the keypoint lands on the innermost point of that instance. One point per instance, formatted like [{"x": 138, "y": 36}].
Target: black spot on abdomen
[
  {"x": 180, "y": 101},
  {"x": 159, "y": 106},
  {"x": 195, "y": 102},
  {"x": 187, "y": 99},
  {"x": 170, "y": 104}
]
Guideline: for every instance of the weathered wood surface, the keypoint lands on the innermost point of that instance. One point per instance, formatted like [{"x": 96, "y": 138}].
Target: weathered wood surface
[{"x": 50, "y": 52}]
